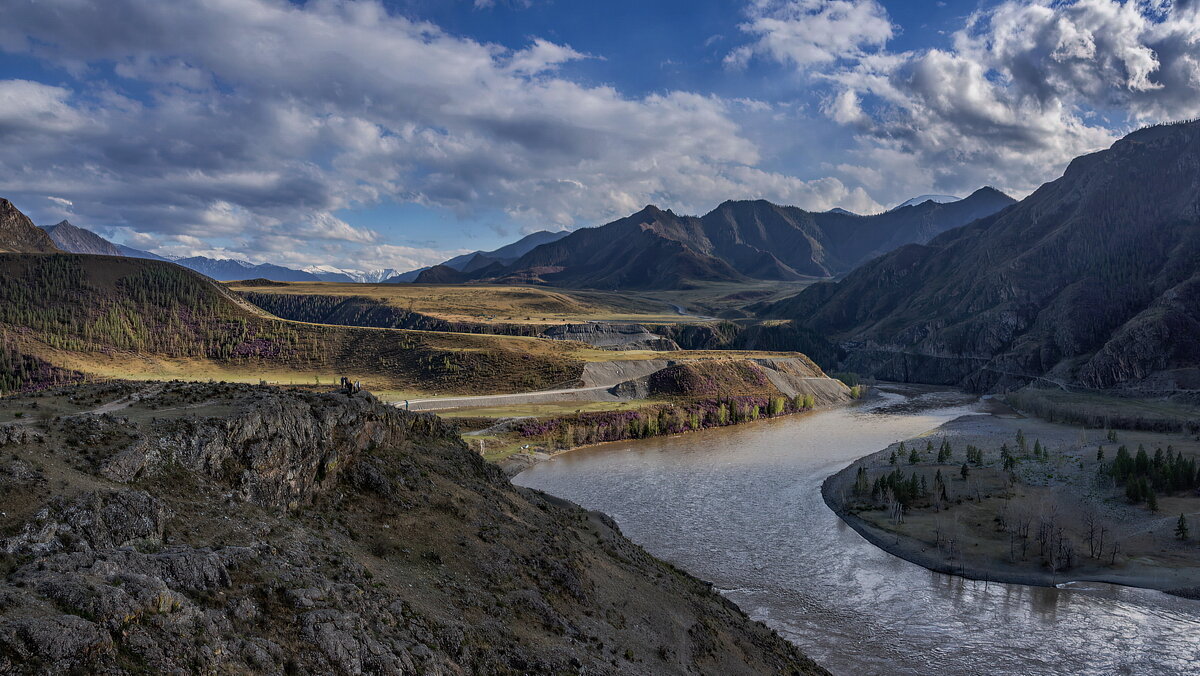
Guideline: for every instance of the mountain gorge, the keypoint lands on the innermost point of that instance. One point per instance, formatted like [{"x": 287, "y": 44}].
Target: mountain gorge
[
  {"x": 1093, "y": 280},
  {"x": 738, "y": 241}
]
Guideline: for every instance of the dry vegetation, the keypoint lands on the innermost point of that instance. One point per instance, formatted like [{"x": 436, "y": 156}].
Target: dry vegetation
[{"x": 486, "y": 303}]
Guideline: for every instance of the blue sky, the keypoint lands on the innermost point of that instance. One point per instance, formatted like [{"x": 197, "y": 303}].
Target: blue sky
[{"x": 366, "y": 134}]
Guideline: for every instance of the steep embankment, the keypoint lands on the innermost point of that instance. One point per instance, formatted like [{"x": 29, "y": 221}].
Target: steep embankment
[
  {"x": 65, "y": 316},
  {"x": 237, "y": 529},
  {"x": 1093, "y": 280}
]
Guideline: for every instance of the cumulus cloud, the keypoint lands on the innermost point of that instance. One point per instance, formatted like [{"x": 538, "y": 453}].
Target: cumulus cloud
[
  {"x": 1025, "y": 86},
  {"x": 255, "y": 121},
  {"x": 805, "y": 33}
]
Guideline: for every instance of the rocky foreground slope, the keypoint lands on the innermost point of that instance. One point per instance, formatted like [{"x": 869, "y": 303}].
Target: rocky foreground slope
[{"x": 220, "y": 528}]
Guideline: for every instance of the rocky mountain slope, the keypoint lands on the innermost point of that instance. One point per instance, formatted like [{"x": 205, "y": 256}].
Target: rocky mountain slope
[
  {"x": 18, "y": 234},
  {"x": 1094, "y": 280},
  {"x": 236, "y": 529},
  {"x": 656, "y": 249},
  {"x": 77, "y": 240}
]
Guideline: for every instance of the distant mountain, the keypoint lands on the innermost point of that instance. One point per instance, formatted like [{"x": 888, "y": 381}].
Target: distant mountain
[
  {"x": 440, "y": 274},
  {"x": 406, "y": 277},
  {"x": 328, "y": 273},
  {"x": 505, "y": 254},
  {"x": 228, "y": 269},
  {"x": 77, "y": 240},
  {"x": 1094, "y": 280},
  {"x": 921, "y": 199},
  {"x": 656, "y": 249},
  {"x": 470, "y": 263},
  {"x": 18, "y": 234},
  {"x": 131, "y": 252}
]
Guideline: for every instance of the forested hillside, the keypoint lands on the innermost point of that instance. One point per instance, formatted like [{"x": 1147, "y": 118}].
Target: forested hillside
[{"x": 65, "y": 316}]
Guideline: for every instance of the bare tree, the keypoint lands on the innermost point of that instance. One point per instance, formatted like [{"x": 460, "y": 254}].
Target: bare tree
[{"x": 1091, "y": 531}]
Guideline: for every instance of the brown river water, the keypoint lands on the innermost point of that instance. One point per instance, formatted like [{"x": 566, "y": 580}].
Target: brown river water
[{"x": 741, "y": 507}]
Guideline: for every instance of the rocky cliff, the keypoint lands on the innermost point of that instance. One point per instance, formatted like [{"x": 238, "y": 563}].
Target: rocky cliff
[
  {"x": 236, "y": 529},
  {"x": 18, "y": 234},
  {"x": 611, "y": 336}
]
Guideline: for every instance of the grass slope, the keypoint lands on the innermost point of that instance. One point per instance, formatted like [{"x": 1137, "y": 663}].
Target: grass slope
[
  {"x": 67, "y": 317},
  {"x": 63, "y": 316}
]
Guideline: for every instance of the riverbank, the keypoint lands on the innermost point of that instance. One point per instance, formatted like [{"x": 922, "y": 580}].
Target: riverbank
[
  {"x": 692, "y": 416},
  {"x": 1053, "y": 516}
]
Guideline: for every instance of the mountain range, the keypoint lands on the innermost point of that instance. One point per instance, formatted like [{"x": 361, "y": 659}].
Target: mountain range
[
  {"x": 1093, "y": 280},
  {"x": 737, "y": 241},
  {"x": 74, "y": 239},
  {"x": 476, "y": 260},
  {"x": 652, "y": 249}
]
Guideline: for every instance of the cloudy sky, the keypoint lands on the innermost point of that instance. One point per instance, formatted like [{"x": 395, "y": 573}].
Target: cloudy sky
[{"x": 369, "y": 133}]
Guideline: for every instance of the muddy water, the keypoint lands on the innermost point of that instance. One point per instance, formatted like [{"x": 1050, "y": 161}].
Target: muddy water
[{"x": 741, "y": 507}]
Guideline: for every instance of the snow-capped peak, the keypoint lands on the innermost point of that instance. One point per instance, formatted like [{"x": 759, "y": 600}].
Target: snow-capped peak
[{"x": 330, "y": 273}]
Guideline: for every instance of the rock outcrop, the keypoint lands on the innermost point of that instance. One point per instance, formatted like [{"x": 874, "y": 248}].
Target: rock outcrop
[
  {"x": 235, "y": 529},
  {"x": 18, "y": 234},
  {"x": 608, "y": 336}
]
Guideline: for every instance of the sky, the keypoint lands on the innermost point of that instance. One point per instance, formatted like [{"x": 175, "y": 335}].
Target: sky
[{"x": 366, "y": 134}]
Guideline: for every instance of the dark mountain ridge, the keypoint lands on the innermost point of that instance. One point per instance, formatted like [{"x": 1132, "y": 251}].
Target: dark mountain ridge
[
  {"x": 1093, "y": 280},
  {"x": 739, "y": 240},
  {"x": 18, "y": 234}
]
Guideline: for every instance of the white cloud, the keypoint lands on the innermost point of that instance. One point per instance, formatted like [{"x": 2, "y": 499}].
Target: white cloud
[
  {"x": 1026, "y": 86},
  {"x": 805, "y": 33},
  {"x": 263, "y": 118},
  {"x": 542, "y": 56}
]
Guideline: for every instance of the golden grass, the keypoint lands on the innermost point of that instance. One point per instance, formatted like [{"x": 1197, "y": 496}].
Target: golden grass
[{"x": 490, "y": 303}]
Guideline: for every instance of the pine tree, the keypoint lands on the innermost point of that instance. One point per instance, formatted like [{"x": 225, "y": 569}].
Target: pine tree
[
  {"x": 914, "y": 457},
  {"x": 1100, "y": 454},
  {"x": 892, "y": 459},
  {"x": 1181, "y": 528},
  {"x": 1152, "y": 501},
  {"x": 964, "y": 471}
]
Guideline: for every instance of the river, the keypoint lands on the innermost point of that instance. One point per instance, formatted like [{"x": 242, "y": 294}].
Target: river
[{"x": 741, "y": 507}]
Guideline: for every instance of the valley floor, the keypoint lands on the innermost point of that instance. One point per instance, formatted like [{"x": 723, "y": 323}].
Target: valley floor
[{"x": 1054, "y": 518}]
